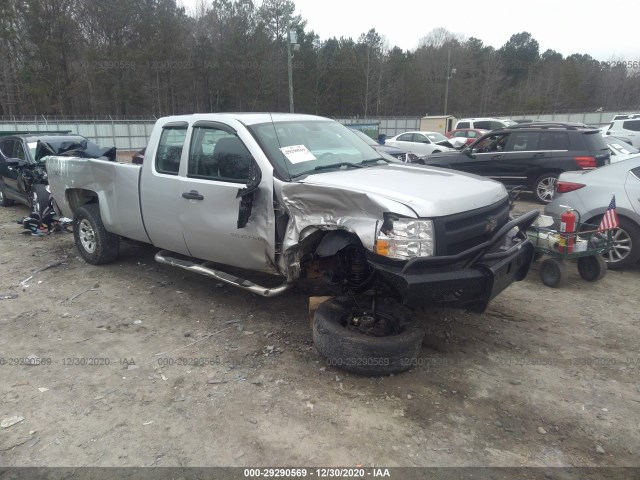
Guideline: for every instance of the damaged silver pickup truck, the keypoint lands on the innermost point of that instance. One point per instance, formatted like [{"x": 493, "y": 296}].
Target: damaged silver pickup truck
[{"x": 300, "y": 197}]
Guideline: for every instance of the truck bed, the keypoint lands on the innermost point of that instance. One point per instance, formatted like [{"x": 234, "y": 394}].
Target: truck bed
[{"x": 117, "y": 187}]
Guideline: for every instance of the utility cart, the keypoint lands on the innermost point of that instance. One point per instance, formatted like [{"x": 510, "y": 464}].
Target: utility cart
[{"x": 586, "y": 244}]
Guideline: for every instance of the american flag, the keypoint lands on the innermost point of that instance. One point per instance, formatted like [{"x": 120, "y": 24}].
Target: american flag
[{"x": 610, "y": 219}]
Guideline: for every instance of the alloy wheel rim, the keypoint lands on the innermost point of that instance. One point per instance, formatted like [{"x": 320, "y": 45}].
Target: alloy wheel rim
[
  {"x": 87, "y": 236},
  {"x": 545, "y": 189},
  {"x": 621, "y": 247}
]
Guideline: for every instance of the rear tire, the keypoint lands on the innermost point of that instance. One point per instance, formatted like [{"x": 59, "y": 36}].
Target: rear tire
[
  {"x": 553, "y": 272},
  {"x": 95, "y": 244},
  {"x": 360, "y": 353},
  {"x": 39, "y": 199},
  {"x": 544, "y": 186},
  {"x": 4, "y": 201}
]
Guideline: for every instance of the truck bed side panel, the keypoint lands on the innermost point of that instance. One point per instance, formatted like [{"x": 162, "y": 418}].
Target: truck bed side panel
[{"x": 115, "y": 184}]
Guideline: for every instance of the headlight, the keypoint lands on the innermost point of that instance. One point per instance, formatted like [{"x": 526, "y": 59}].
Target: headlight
[{"x": 405, "y": 238}]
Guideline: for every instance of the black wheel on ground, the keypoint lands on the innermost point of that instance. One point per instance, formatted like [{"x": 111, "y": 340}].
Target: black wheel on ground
[
  {"x": 94, "y": 243},
  {"x": 592, "y": 268},
  {"x": 544, "y": 186},
  {"x": 553, "y": 272},
  {"x": 352, "y": 350},
  {"x": 4, "y": 201},
  {"x": 626, "y": 246}
]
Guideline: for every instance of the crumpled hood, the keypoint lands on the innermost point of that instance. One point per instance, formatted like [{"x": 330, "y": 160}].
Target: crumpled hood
[{"x": 428, "y": 191}]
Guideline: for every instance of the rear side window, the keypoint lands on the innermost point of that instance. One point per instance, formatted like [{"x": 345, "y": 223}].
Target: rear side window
[
  {"x": 558, "y": 141},
  {"x": 218, "y": 155},
  {"x": 633, "y": 125},
  {"x": 636, "y": 172},
  {"x": 483, "y": 125},
  {"x": 407, "y": 137},
  {"x": 170, "y": 149},
  {"x": 6, "y": 148},
  {"x": 594, "y": 142},
  {"x": 463, "y": 125}
]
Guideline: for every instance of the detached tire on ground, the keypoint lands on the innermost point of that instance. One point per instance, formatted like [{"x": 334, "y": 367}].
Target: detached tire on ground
[
  {"x": 40, "y": 199},
  {"x": 360, "y": 353},
  {"x": 95, "y": 244}
]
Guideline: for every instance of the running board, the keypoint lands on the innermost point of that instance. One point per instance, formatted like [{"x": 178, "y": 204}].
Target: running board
[{"x": 164, "y": 256}]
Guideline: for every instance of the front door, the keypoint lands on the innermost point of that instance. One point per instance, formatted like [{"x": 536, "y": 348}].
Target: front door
[{"x": 218, "y": 167}]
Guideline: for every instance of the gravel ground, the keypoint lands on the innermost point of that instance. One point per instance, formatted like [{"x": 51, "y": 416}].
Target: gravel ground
[{"x": 145, "y": 365}]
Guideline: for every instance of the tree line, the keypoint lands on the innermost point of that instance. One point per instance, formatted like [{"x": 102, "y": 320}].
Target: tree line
[{"x": 150, "y": 57}]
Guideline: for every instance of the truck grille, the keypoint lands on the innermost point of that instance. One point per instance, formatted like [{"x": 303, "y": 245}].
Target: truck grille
[{"x": 459, "y": 232}]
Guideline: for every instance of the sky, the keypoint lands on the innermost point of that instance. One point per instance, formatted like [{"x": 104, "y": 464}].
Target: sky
[{"x": 567, "y": 26}]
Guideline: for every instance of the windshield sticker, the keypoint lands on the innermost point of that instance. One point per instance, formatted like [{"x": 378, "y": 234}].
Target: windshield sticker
[{"x": 297, "y": 154}]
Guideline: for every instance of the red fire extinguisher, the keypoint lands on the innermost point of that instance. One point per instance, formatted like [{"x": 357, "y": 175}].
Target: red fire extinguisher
[{"x": 567, "y": 229}]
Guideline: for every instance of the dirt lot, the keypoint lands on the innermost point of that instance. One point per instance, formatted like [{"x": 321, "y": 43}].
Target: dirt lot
[{"x": 547, "y": 377}]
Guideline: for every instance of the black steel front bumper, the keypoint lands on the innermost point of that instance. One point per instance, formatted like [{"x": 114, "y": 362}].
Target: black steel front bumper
[{"x": 469, "y": 279}]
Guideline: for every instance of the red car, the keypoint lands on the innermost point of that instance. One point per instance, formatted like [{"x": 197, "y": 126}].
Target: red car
[{"x": 471, "y": 134}]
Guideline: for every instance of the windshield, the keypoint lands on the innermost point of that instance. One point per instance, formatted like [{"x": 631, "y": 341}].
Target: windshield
[
  {"x": 365, "y": 137},
  {"x": 298, "y": 148},
  {"x": 436, "y": 137}
]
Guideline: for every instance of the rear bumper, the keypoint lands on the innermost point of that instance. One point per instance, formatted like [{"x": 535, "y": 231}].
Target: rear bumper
[{"x": 470, "y": 279}]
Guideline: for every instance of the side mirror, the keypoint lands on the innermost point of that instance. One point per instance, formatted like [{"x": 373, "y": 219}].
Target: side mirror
[
  {"x": 13, "y": 162},
  {"x": 246, "y": 194}
]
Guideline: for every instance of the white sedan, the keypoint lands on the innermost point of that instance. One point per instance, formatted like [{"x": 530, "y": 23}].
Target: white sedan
[{"x": 422, "y": 143}]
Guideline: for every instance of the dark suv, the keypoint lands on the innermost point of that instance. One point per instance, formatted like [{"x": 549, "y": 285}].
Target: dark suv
[{"x": 530, "y": 154}]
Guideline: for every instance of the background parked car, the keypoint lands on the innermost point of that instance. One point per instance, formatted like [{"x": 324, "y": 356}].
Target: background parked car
[
  {"x": 627, "y": 128},
  {"x": 484, "y": 123},
  {"x": 471, "y": 134},
  {"x": 23, "y": 178},
  {"x": 590, "y": 192},
  {"x": 620, "y": 150},
  {"x": 398, "y": 153},
  {"x": 421, "y": 143},
  {"x": 531, "y": 154}
]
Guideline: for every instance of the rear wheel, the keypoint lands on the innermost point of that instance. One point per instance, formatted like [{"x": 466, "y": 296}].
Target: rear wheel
[
  {"x": 95, "y": 244},
  {"x": 553, "y": 272},
  {"x": 4, "y": 201},
  {"x": 544, "y": 187}
]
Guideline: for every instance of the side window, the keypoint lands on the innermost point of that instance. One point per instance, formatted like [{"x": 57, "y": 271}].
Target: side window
[
  {"x": 471, "y": 134},
  {"x": 463, "y": 125},
  {"x": 218, "y": 155},
  {"x": 559, "y": 141},
  {"x": 525, "y": 141},
  {"x": 18, "y": 151},
  {"x": 170, "y": 150},
  {"x": 405, "y": 137},
  {"x": 459, "y": 134},
  {"x": 483, "y": 125},
  {"x": 491, "y": 143},
  {"x": 633, "y": 125},
  {"x": 6, "y": 148},
  {"x": 419, "y": 138},
  {"x": 636, "y": 172}
]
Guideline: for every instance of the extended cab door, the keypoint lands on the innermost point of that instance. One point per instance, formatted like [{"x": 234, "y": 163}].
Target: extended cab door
[
  {"x": 160, "y": 188},
  {"x": 217, "y": 169}
]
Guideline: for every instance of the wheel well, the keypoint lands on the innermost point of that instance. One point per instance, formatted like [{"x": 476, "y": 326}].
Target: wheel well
[
  {"x": 77, "y": 197},
  {"x": 534, "y": 176}
]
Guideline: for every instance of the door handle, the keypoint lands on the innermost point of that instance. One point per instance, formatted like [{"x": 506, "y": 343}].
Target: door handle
[
  {"x": 496, "y": 157},
  {"x": 192, "y": 195}
]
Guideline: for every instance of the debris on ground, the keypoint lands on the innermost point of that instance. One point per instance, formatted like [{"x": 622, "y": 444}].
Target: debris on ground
[
  {"x": 10, "y": 421},
  {"x": 8, "y": 296}
]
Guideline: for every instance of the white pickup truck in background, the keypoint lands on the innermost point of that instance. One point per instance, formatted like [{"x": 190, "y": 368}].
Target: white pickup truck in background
[{"x": 299, "y": 196}]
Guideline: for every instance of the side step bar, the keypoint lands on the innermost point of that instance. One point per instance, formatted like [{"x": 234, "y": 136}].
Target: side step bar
[{"x": 164, "y": 256}]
